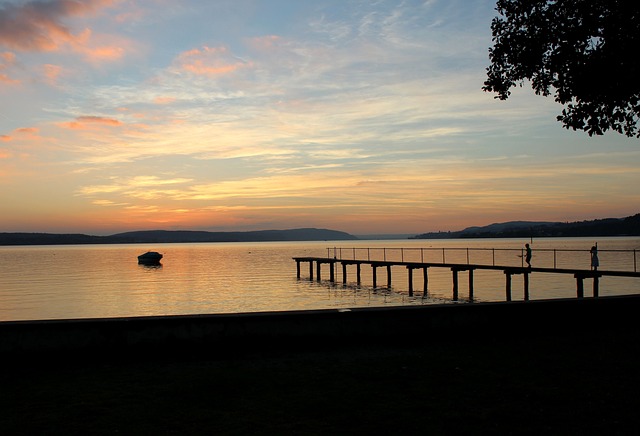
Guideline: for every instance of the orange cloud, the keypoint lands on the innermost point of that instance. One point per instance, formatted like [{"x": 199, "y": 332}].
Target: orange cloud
[
  {"x": 23, "y": 131},
  {"x": 51, "y": 73},
  {"x": 163, "y": 100},
  {"x": 7, "y": 57},
  {"x": 100, "y": 48},
  {"x": 27, "y": 130},
  {"x": 210, "y": 61},
  {"x": 265, "y": 43},
  {"x": 105, "y": 53},
  {"x": 38, "y": 25},
  {"x": 7, "y": 60},
  {"x": 89, "y": 121},
  {"x": 6, "y": 79}
]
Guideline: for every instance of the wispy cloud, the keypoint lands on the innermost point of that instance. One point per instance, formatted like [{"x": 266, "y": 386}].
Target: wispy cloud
[
  {"x": 90, "y": 122},
  {"x": 39, "y": 25},
  {"x": 209, "y": 61},
  {"x": 7, "y": 61}
]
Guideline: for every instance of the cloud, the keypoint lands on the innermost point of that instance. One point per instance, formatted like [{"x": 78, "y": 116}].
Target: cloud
[
  {"x": 105, "y": 49},
  {"x": 140, "y": 187},
  {"x": 210, "y": 61},
  {"x": 7, "y": 61},
  {"x": 51, "y": 73},
  {"x": 8, "y": 58},
  {"x": 90, "y": 122},
  {"x": 38, "y": 25},
  {"x": 163, "y": 100},
  {"x": 6, "y": 79},
  {"x": 265, "y": 43},
  {"x": 28, "y": 132}
]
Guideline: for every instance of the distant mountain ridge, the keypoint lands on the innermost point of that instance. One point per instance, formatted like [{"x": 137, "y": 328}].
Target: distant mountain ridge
[
  {"x": 175, "y": 236},
  {"x": 629, "y": 226}
]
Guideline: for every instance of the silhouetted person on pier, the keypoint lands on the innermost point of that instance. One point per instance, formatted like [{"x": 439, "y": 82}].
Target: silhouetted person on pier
[
  {"x": 595, "y": 262},
  {"x": 527, "y": 256}
]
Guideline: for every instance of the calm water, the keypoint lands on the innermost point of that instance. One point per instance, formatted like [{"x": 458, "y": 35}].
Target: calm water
[{"x": 91, "y": 281}]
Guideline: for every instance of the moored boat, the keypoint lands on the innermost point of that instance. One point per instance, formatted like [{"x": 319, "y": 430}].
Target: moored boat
[{"x": 150, "y": 258}]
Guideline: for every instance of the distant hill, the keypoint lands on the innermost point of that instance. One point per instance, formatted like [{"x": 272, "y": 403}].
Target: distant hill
[
  {"x": 629, "y": 226},
  {"x": 168, "y": 236},
  {"x": 307, "y": 234}
]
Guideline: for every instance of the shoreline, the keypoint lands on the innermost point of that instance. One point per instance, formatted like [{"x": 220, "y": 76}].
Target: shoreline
[{"x": 228, "y": 333}]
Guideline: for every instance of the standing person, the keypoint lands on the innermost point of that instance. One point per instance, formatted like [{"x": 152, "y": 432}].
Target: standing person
[
  {"x": 527, "y": 256},
  {"x": 595, "y": 262}
]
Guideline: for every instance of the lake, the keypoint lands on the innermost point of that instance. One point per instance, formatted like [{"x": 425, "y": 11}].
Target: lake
[{"x": 98, "y": 281}]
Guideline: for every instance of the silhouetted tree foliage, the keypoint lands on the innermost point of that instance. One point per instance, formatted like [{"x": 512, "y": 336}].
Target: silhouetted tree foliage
[{"x": 586, "y": 52}]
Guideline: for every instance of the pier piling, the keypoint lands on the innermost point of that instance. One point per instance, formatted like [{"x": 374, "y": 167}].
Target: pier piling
[
  {"x": 426, "y": 282},
  {"x": 410, "y": 275},
  {"x": 454, "y": 271},
  {"x": 507, "y": 274}
]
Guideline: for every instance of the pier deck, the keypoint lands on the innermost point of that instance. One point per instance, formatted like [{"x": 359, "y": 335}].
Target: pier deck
[{"x": 509, "y": 271}]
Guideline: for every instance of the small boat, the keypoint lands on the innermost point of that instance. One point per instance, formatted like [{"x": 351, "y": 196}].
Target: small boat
[{"x": 150, "y": 258}]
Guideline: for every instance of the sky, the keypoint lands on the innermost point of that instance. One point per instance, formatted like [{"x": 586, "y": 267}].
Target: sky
[{"x": 360, "y": 116}]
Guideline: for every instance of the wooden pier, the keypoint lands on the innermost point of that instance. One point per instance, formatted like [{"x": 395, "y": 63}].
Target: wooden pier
[{"x": 579, "y": 274}]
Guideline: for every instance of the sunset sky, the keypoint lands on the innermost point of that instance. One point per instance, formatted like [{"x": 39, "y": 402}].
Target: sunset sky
[{"x": 360, "y": 116}]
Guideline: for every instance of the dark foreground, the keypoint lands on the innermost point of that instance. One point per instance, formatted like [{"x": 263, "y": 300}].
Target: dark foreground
[{"x": 565, "y": 383}]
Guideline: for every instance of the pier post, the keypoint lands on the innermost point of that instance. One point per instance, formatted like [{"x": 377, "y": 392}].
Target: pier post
[
  {"x": 332, "y": 277},
  {"x": 311, "y": 270},
  {"x": 318, "y": 267},
  {"x": 388, "y": 276},
  {"x": 507, "y": 273},
  {"x": 579, "y": 285},
  {"x": 471, "y": 284},
  {"x": 344, "y": 273},
  {"x": 455, "y": 284},
  {"x": 358, "y": 273},
  {"x": 596, "y": 285},
  {"x": 526, "y": 286},
  {"x": 410, "y": 272},
  {"x": 426, "y": 282},
  {"x": 298, "y": 269},
  {"x": 375, "y": 275}
]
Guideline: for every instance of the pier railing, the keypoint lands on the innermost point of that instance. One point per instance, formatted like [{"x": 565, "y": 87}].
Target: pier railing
[{"x": 622, "y": 260}]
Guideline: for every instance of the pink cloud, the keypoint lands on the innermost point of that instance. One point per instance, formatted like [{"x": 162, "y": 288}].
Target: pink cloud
[
  {"x": 265, "y": 43},
  {"x": 6, "y": 79},
  {"x": 104, "y": 53},
  {"x": 51, "y": 73},
  {"x": 27, "y": 130},
  {"x": 210, "y": 61},
  {"x": 7, "y": 60},
  {"x": 38, "y": 25},
  {"x": 163, "y": 100},
  {"x": 30, "y": 132},
  {"x": 89, "y": 122},
  {"x": 100, "y": 48}
]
